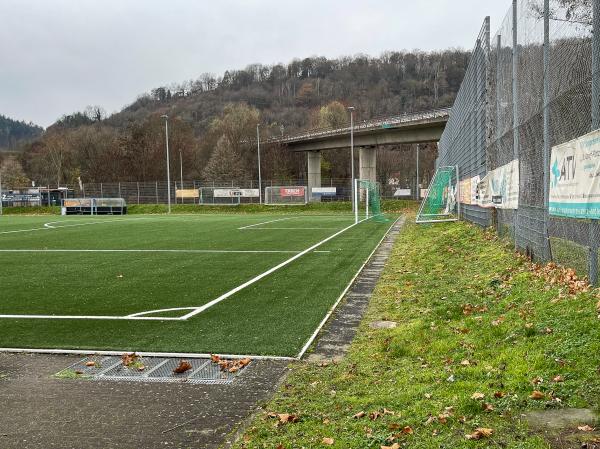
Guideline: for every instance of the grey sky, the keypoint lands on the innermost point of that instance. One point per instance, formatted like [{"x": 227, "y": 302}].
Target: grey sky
[{"x": 57, "y": 56}]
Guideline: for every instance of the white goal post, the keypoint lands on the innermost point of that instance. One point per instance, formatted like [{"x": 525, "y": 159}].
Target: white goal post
[{"x": 286, "y": 195}]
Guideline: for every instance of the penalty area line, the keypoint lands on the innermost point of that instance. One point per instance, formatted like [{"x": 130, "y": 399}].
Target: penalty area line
[{"x": 265, "y": 222}]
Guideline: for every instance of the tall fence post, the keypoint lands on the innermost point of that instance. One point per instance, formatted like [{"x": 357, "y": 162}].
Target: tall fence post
[
  {"x": 594, "y": 224},
  {"x": 515, "y": 92},
  {"x": 138, "y": 192},
  {"x": 547, "y": 250},
  {"x": 156, "y": 192}
]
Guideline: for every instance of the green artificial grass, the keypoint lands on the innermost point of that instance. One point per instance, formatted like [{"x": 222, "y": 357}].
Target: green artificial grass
[
  {"x": 477, "y": 333},
  {"x": 274, "y": 316}
]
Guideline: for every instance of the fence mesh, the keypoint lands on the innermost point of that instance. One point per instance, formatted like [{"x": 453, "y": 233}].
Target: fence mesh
[{"x": 503, "y": 119}]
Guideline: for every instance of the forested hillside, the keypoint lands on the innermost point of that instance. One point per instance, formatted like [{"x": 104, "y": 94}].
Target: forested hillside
[
  {"x": 14, "y": 133},
  {"x": 209, "y": 118}
]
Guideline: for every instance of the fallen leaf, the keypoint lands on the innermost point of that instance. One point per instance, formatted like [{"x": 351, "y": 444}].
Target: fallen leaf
[
  {"x": 537, "y": 395},
  {"x": 287, "y": 418},
  {"x": 374, "y": 415},
  {"x": 183, "y": 366},
  {"x": 407, "y": 430},
  {"x": 214, "y": 358},
  {"x": 129, "y": 359},
  {"x": 558, "y": 378},
  {"x": 479, "y": 433},
  {"x": 328, "y": 441},
  {"x": 90, "y": 363},
  {"x": 359, "y": 415},
  {"x": 499, "y": 394},
  {"x": 487, "y": 407},
  {"x": 477, "y": 396},
  {"x": 465, "y": 363},
  {"x": 537, "y": 380},
  {"x": 585, "y": 428}
]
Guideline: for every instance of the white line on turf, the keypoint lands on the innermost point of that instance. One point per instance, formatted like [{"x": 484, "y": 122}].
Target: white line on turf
[
  {"x": 309, "y": 342},
  {"x": 265, "y": 222},
  {"x": 141, "y": 353},
  {"x": 192, "y": 251},
  {"x": 266, "y": 273},
  {"x": 268, "y": 228}
]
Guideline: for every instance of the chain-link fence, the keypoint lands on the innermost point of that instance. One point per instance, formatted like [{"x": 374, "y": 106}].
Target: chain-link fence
[
  {"x": 527, "y": 89},
  {"x": 157, "y": 192}
]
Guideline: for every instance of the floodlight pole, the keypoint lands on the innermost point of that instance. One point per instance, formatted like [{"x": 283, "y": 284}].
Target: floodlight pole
[
  {"x": 259, "y": 175},
  {"x": 418, "y": 190},
  {"x": 181, "y": 174},
  {"x": 166, "y": 117},
  {"x": 354, "y": 203}
]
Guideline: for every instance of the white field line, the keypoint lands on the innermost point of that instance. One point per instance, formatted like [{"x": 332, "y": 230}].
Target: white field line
[
  {"x": 265, "y": 222},
  {"x": 142, "y": 353},
  {"x": 88, "y": 317},
  {"x": 192, "y": 251},
  {"x": 288, "y": 229},
  {"x": 343, "y": 294},
  {"x": 266, "y": 273},
  {"x": 49, "y": 225}
]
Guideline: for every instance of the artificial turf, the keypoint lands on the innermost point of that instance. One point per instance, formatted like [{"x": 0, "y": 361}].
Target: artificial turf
[{"x": 274, "y": 316}]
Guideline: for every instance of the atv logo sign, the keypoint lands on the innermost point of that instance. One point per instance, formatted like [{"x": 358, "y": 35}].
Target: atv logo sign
[{"x": 575, "y": 178}]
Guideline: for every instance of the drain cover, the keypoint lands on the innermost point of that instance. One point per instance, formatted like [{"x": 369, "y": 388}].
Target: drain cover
[{"x": 155, "y": 369}]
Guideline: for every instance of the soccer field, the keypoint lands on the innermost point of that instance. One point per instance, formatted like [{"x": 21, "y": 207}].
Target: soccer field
[{"x": 232, "y": 284}]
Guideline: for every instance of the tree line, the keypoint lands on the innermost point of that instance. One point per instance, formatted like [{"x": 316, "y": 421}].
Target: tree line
[{"x": 213, "y": 120}]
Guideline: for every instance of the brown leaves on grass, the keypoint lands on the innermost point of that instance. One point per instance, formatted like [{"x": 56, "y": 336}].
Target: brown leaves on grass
[
  {"x": 479, "y": 433},
  {"x": 231, "y": 366},
  {"x": 284, "y": 418},
  {"x": 182, "y": 367},
  {"x": 477, "y": 396},
  {"x": 586, "y": 428},
  {"x": 537, "y": 395},
  {"x": 328, "y": 441},
  {"x": 393, "y": 446},
  {"x": 559, "y": 276},
  {"x": 468, "y": 309}
]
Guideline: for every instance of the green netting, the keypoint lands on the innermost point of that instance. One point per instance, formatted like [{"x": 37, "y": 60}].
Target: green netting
[
  {"x": 370, "y": 190},
  {"x": 440, "y": 203}
]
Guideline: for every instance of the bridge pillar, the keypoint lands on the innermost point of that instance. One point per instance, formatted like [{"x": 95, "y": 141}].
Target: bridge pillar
[
  {"x": 314, "y": 173},
  {"x": 368, "y": 163}
]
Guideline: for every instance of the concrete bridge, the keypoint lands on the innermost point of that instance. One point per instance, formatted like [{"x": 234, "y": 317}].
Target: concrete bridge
[{"x": 410, "y": 128}]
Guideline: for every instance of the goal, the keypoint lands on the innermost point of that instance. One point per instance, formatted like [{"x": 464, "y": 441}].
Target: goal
[
  {"x": 441, "y": 200},
  {"x": 224, "y": 196},
  {"x": 367, "y": 198},
  {"x": 288, "y": 195}
]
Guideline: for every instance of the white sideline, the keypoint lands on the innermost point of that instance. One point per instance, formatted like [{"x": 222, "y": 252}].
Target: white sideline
[
  {"x": 288, "y": 229},
  {"x": 342, "y": 295},
  {"x": 200, "y": 251},
  {"x": 266, "y": 273},
  {"x": 142, "y": 353},
  {"x": 266, "y": 222}
]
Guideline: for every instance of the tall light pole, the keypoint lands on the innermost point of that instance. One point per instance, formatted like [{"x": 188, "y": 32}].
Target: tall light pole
[
  {"x": 418, "y": 189},
  {"x": 351, "y": 109},
  {"x": 259, "y": 175},
  {"x": 181, "y": 174},
  {"x": 166, "y": 117}
]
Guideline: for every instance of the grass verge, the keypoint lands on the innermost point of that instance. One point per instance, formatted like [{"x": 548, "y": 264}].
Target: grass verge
[{"x": 477, "y": 333}]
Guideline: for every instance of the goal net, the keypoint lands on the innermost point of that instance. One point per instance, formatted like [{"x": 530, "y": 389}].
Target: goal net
[
  {"x": 224, "y": 196},
  {"x": 368, "y": 200},
  {"x": 289, "y": 195},
  {"x": 441, "y": 200}
]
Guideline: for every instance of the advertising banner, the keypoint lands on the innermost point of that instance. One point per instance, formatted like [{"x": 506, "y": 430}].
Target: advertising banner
[
  {"x": 465, "y": 191},
  {"x": 500, "y": 187},
  {"x": 232, "y": 193},
  {"x": 324, "y": 191},
  {"x": 402, "y": 192},
  {"x": 291, "y": 191},
  {"x": 574, "y": 178}
]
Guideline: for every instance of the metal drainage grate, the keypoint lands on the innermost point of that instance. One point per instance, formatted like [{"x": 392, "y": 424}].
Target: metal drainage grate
[{"x": 156, "y": 369}]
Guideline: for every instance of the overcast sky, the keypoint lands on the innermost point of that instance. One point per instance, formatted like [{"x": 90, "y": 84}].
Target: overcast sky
[{"x": 58, "y": 56}]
